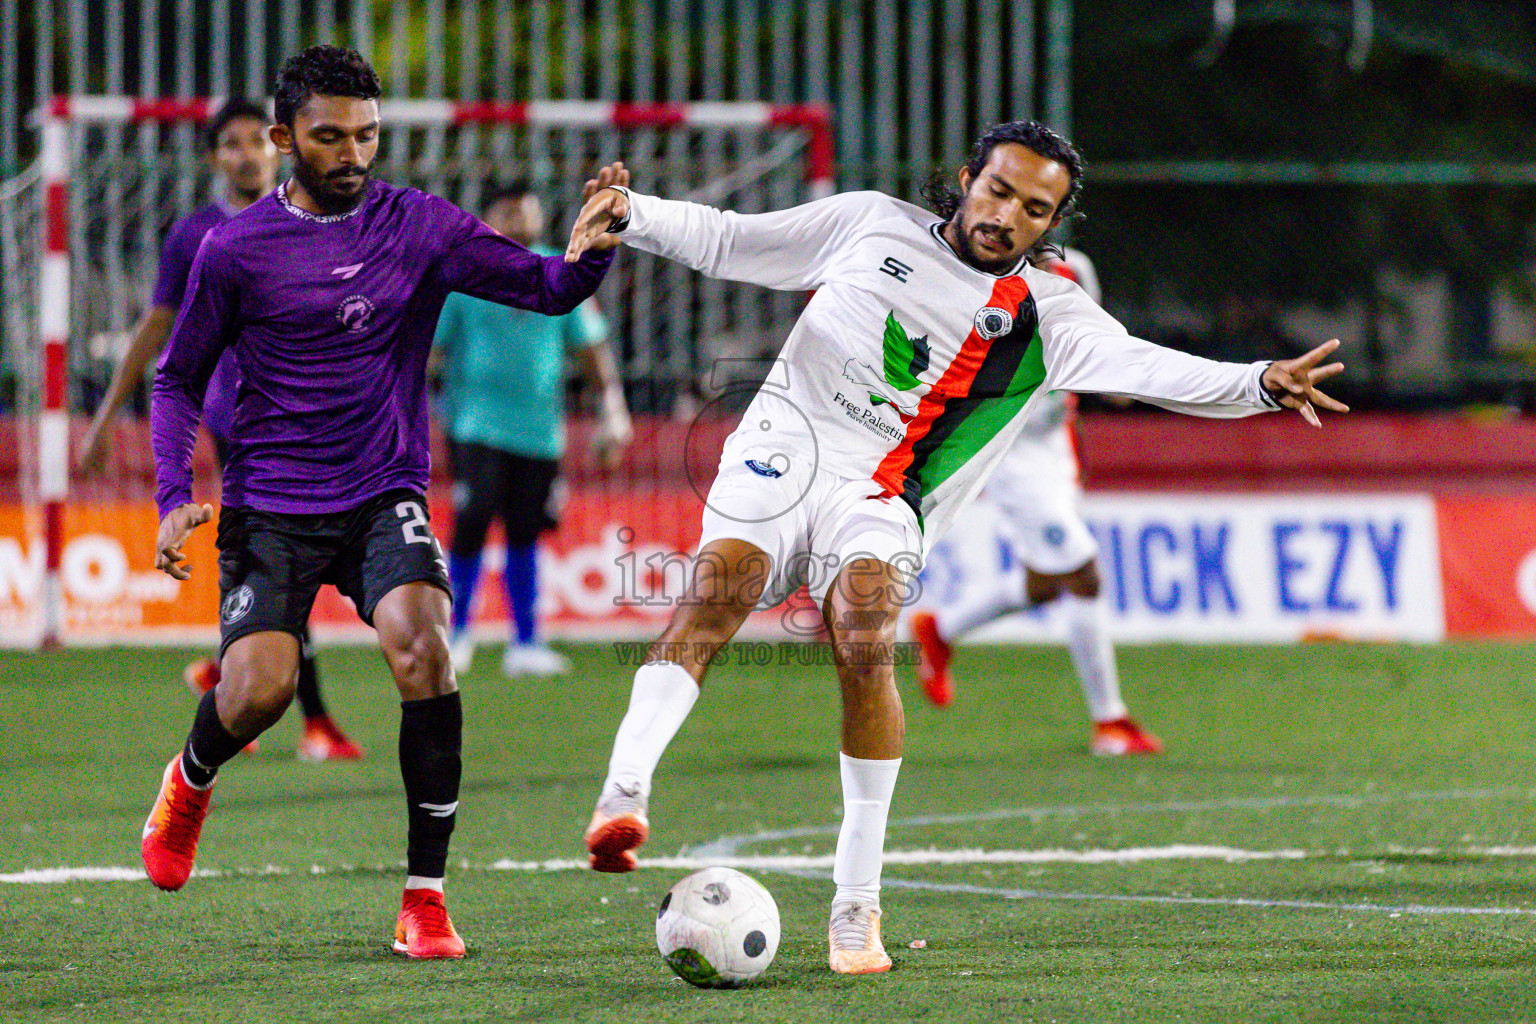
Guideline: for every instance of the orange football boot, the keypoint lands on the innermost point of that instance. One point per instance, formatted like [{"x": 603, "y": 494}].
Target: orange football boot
[
  {"x": 324, "y": 741},
  {"x": 619, "y": 826},
  {"x": 853, "y": 939},
  {"x": 169, "y": 846}
]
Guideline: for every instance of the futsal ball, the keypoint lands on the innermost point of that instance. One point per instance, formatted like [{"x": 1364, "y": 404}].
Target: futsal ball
[{"x": 717, "y": 928}]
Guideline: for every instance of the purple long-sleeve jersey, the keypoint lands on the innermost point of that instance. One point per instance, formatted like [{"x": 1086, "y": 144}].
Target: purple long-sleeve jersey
[
  {"x": 171, "y": 286},
  {"x": 330, "y": 320}
]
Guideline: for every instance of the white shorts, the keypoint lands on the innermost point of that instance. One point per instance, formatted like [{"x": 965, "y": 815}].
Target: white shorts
[
  {"x": 810, "y": 524},
  {"x": 1037, "y": 488}
]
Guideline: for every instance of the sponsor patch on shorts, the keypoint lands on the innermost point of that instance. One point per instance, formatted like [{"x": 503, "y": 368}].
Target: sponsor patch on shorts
[{"x": 238, "y": 604}]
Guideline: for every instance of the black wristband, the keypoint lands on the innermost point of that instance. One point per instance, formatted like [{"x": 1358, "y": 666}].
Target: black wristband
[
  {"x": 620, "y": 225},
  {"x": 1270, "y": 400}
]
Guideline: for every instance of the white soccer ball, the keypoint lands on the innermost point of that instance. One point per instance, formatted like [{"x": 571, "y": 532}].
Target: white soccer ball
[{"x": 717, "y": 928}]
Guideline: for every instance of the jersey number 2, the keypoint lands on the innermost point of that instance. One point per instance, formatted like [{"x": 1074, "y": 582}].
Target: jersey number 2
[{"x": 415, "y": 526}]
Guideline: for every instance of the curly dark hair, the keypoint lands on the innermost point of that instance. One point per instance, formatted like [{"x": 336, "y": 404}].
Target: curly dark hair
[
  {"x": 946, "y": 199},
  {"x": 323, "y": 71},
  {"x": 234, "y": 108}
]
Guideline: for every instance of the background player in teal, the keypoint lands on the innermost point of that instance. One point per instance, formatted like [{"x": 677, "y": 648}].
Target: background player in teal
[
  {"x": 244, "y": 164},
  {"x": 503, "y": 399}
]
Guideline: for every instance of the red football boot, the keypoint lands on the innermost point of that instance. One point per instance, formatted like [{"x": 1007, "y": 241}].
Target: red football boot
[
  {"x": 423, "y": 930},
  {"x": 201, "y": 676},
  {"x": 618, "y": 827},
  {"x": 169, "y": 844},
  {"x": 933, "y": 667}
]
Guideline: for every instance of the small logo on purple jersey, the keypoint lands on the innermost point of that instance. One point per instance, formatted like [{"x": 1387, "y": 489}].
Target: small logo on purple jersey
[
  {"x": 347, "y": 273},
  {"x": 355, "y": 312}
]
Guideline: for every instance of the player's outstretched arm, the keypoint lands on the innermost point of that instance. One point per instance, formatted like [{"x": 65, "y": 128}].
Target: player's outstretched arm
[
  {"x": 175, "y": 528},
  {"x": 1088, "y": 351},
  {"x": 147, "y": 342},
  {"x": 481, "y": 263},
  {"x": 205, "y": 327},
  {"x": 791, "y": 250},
  {"x": 1293, "y": 382}
]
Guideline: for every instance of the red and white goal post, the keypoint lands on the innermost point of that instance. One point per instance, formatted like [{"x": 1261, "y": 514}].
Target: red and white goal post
[{"x": 699, "y": 150}]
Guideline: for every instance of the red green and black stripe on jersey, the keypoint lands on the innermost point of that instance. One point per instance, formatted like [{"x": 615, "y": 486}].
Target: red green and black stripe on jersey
[{"x": 984, "y": 387}]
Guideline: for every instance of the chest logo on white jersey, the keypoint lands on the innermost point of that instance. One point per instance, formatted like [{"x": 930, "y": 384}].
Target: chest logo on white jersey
[
  {"x": 347, "y": 273},
  {"x": 993, "y": 322},
  {"x": 355, "y": 312}
]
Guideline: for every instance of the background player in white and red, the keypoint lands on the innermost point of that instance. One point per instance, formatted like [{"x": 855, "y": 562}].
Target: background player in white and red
[
  {"x": 328, "y": 291},
  {"x": 903, "y": 383},
  {"x": 1038, "y": 490},
  {"x": 244, "y": 164}
]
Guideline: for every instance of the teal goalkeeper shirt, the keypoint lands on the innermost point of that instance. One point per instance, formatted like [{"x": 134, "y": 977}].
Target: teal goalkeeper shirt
[{"x": 503, "y": 371}]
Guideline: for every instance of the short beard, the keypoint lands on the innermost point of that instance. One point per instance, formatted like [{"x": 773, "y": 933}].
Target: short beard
[
  {"x": 967, "y": 252},
  {"x": 319, "y": 188}
]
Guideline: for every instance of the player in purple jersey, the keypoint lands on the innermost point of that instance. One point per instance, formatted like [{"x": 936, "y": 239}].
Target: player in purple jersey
[
  {"x": 327, "y": 292},
  {"x": 245, "y": 162}
]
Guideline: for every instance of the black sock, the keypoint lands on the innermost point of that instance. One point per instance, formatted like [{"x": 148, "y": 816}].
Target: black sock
[
  {"x": 309, "y": 680},
  {"x": 209, "y": 744},
  {"x": 431, "y": 734}
]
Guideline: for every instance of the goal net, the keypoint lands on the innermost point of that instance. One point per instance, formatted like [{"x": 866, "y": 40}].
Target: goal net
[{"x": 81, "y": 233}]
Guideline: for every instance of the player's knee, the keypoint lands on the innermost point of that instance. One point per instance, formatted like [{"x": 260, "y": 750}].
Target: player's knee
[
  {"x": 865, "y": 668},
  {"x": 1084, "y": 582},
  {"x": 420, "y": 664},
  {"x": 707, "y": 621},
  {"x": 256, "y": 687}
]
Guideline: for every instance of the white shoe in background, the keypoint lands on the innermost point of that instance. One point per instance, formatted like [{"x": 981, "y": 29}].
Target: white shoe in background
[
  {"x": 534, "y": 660},
  {"x": 461, "y": 651}
]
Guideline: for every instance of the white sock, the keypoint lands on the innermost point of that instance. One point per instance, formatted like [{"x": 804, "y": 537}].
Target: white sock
[
  {"x": 422, "y": 882},
  {"x": 867, "y": 788},
  {"x": 955, "y": 622},
  {"x": 662, "y": 696},
  {"x": 1093, "y": 656}
]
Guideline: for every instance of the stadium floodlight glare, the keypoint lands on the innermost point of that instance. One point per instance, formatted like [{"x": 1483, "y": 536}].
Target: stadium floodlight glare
[{"x": 58, "y": 120}]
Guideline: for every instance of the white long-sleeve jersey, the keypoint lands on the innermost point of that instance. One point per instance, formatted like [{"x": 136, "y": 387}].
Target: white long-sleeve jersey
[{"x": 909, "y": 366}]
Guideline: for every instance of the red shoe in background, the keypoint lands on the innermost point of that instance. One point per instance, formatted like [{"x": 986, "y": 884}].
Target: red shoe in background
[
  {"x": 1123, "y": 736},
  {"x": 323, "y": 741},
  {"x": 933, "y": 667}
]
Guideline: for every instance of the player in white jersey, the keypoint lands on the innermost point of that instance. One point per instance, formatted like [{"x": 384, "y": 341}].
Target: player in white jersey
[
  {"x": 1038, "y": 492},
  {"x": 906, "y": 378}
]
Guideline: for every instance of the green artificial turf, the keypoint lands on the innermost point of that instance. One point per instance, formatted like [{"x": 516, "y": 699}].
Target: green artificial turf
[{"x": 1372, "y": 777}]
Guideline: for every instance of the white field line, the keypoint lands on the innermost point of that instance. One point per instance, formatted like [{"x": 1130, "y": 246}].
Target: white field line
[
  {"x": 1205, "y": 901},
  {"x": 795, "y": 863},
  {"x": 730, "y": 846}
]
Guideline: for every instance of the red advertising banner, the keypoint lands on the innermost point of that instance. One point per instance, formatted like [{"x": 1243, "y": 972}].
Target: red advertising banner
[
  {"x": 616, "y": 567},
  {"x": 1488, "y": 564}
]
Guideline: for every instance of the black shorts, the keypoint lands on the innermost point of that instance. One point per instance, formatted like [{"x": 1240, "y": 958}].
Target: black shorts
[
  {"x": 526, "y": 494},
  {"x": 271, "y": 564}
]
